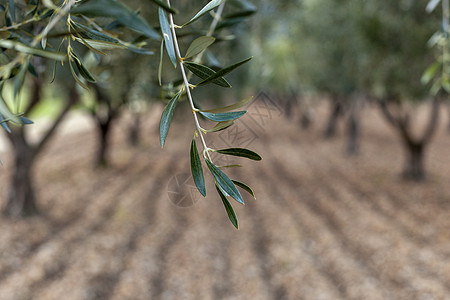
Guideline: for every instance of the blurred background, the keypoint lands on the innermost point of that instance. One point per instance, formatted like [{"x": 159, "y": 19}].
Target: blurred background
[{"x": 350, "y": 113}]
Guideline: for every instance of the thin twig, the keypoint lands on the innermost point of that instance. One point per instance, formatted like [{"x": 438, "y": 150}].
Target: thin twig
[{"x": 186, "y": 84}]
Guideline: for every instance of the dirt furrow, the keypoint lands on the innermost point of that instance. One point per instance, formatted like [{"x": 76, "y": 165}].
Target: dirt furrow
[
  {"x": 43, "y": 261},
  {"x": 337, "y": 216},
  {"x": 407, "y": 235},
  {"x": 335, "y": 263},
  {"x": 113, "y": 244}
]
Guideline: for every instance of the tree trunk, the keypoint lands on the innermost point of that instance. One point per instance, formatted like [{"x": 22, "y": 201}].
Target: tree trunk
[
  {"x": 353, "y": 129},
  {"x": 353, "y": 135},
  {"x": 102, "y": 150},
  {"x": 415, "y": 147},
  {"x": 306, "y": 118},
  {"x": 21, "y": 198},
  {"x": 414, "y": 166},
  {"x": 133, "y": 136},
  {"x": 336, "y": 111}
]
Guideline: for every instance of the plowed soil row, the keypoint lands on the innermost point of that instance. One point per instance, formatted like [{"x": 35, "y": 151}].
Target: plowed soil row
[{"x": 324, "y": 225}]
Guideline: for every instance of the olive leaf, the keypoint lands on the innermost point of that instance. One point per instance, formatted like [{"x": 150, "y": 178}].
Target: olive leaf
[
  {"x": 199, "y": 45},
  {"x": 244, "y": 187},
  {"x": 241, "y": 152},
  {"x": 224, "y": 71},
  {"x": 224, "y": 183},
  {"x": 229, "y": 208},
  {"x": 204, "y": 72},
  {"x": 208, "y": 7},
  {"x": 167, "y": 35},
  {"x": 166, "y": 118},
  {"x": 118, "y": 11},
  {"x": 222, "y": 117},
  {"x": 196, "y": 169}
]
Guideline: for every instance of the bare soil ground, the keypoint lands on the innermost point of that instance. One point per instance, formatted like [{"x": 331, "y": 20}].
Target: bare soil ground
[{"x": 324, "y": 226}]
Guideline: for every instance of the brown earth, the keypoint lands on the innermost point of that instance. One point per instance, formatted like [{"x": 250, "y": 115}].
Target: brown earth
[{"x": 324, "y": 226}]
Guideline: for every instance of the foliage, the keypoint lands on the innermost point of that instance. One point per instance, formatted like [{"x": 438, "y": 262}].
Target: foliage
[
  {"x": 77, "y": 34},
  {"x": 191, "y": 61}
]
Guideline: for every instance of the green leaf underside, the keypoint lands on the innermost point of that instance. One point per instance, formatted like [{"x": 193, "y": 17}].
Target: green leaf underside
[
  {"x": 237, "y": 105},
  {"x": 221, "y": 126},
  {"x": 241, "y": 152},
  {"x": 244, "y": 187},
  {"x": 208, "y": 7},
  {"x": 224, "y": 71},
  {"x": 199, "y": 45},
  {"x": 9, "y": 44},
  {"x": 101, "y": 45},
  {"x": 167, "y": 35},
  {"x": 118, "y": 11},
  {"x": 82, "y": 69},
  {"x": 204, "y": 72},
  {"x": 224, "y": 183},
  {"x": 89, "y": 33},
  {"x": 165, "y": 6},
  {"x": 196, "y": 169},
  {"x": 166, "y": 118},
  {"x": 223, "y": 117},
  {"x": 229, "y": 208}
]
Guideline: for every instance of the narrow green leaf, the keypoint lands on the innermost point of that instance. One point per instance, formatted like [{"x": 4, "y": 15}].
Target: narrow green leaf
[
  {"x": 4, "y": 124},
  {"x": 160, "y": 67},
  {"x": 224, "y": 183},
  {"x": 432, "y": 4},
  {"x": 244, "y": 187},
  {"x": 241, "y": 152},
  {"x": 166, "y": 118},
  {"x": 208, "y": 7},
  {"x": 230, "y": 166},
  {"x": 101, "y": 45},
  {"x": 222, "y": 117},
  {"x": 199, "y": 45},
  {"x": 55, "y": 63},
  {"x": 229, "y": 208},
  {"x": 5, "y": 111},
  {"x": 238, "y": 105},
  {"x": 92, "y": 34},
  {"x": 19, "y": 79},
  {"x": 204, "y": 72},
  {"x": 12, "y": 10},
  {"x": 430, "y": 72},
  {"x": 82, "y": 69},
  {"x": 221, "y": 126},
  {"x": 196, "y": 169},
  {"x": 165, "y": 7},
  {"x": 224, "y": 71},
  {"x": 167, "y": 35},
  {"x": 75, "y": 76},
  {"x": 25, "y": 121},
  {"x": 118, "y": 11}
]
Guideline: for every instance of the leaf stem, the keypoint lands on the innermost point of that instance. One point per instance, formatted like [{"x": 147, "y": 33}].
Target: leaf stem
[{"x": 186, "y": 83}]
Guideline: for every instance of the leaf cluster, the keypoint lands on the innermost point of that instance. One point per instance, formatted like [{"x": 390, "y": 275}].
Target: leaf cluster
[{"x": 224, "y": 117}]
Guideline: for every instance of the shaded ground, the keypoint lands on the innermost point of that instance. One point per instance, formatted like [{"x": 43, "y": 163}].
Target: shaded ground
[{"x": 324, "y": 226}]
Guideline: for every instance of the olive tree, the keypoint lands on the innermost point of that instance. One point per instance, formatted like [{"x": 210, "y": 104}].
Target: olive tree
[
  {"x": 396, "y": 35},
  {"x": 34, "y": 32}
]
